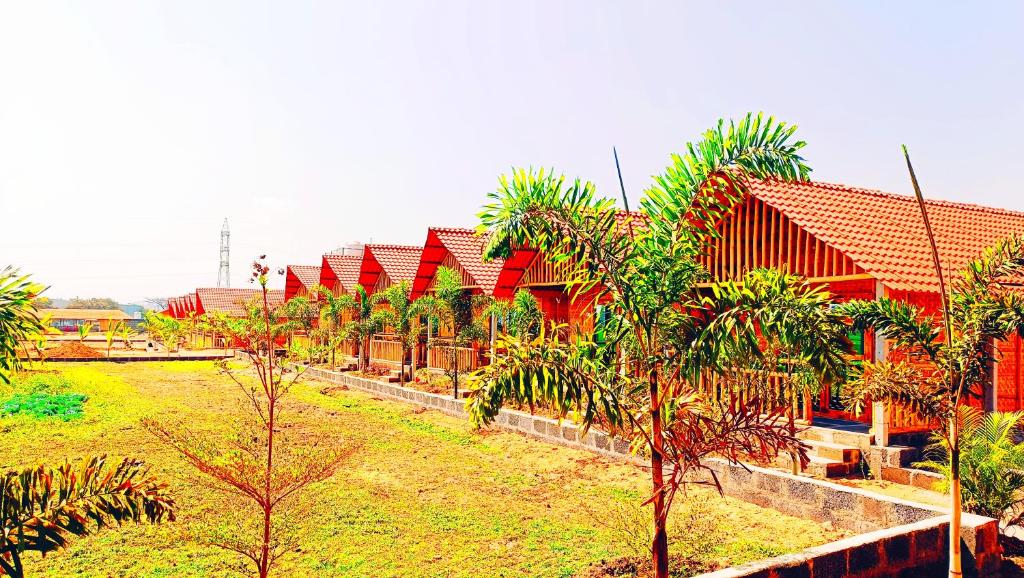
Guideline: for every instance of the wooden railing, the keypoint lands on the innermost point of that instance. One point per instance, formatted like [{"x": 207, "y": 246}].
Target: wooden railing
[
  {"x": 386, "y": 349},
  {"x": 439, "y": 356},
  {"x": 902, "y": 420},
  {"x": 777, "y": 396}
]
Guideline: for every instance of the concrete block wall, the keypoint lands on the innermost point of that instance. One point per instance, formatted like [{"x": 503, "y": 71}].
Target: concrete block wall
[
  {"x": 893, "y": 531},
  {"x": 911, "y": 550}
]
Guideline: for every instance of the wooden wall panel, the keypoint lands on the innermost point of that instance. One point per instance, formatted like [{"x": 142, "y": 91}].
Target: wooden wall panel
[{"x": 757, "y": 235}]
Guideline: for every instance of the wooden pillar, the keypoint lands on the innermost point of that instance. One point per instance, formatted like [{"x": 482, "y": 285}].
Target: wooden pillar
[
  {"x": 494, "y": 331},
  {"x": 990, "y": 389},
  {"x": 879, "y": 410}
]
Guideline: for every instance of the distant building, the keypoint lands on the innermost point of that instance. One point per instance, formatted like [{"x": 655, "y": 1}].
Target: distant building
[{"x": 72, "y": 319}]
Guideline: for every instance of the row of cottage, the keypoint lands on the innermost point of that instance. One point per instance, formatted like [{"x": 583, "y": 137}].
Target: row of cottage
[{"x": 861, "y": 243}]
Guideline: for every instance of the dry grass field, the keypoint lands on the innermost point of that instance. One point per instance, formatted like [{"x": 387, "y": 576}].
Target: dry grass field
[{"x": 424, "y": 495}]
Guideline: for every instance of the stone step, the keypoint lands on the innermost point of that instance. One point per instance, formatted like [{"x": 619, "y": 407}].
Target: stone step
[
  {"x": 834, "y": 436},
  {"x": 833, "y": 451},
  {"x": 819, "y": 466}
]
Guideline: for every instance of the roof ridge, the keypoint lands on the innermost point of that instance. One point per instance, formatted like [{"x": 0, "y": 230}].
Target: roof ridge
[
  {"x": 403, "y": 247},
  {"x": 897, "y": 196}
]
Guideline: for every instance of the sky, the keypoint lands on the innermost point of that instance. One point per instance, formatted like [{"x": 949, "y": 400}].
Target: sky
[{"x": 130, "y": 130}]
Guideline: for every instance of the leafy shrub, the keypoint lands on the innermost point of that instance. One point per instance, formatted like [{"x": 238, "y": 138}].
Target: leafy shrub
[
  {"x": 991, "y": 463},
  {"x": 65, "y": 406},
  {"x": 44, "y": 395}
]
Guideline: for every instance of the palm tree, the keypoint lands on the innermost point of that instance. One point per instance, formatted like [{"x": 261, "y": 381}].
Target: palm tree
[
  {"x": 402, "y": 316},
  {"x": 111, "y": 333},
  {"x": 84, "y": 330},
  {"x": 774, "y": 335},
  {"x": 364, "y": 324},
  {"x": 646, "y": 268},
  {"x": 454, "y": 306},
  {"x": 19, "y": 320},
  {"x": 40, "y": 508},
  {"x": 980, "y": 308},
  {"x": 521, "y": 316},
  {"x": 304, "y": 312},
  {"x": 332, "y": 312}
]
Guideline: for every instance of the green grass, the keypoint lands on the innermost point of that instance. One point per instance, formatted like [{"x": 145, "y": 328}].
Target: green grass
[{"x": 425, "y": 494}]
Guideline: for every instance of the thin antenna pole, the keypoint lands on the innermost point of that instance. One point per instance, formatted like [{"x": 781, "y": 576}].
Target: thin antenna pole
[{"x": 622, "y": 187}]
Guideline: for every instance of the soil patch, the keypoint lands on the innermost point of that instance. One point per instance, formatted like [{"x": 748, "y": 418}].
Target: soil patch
[{"x": 72, "y": 350}]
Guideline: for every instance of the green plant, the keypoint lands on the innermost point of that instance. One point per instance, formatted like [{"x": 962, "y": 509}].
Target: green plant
[
  {"x": 333, "y": 315},
  {"x": 776, "y": 336},
  {"x": 166, "y": 329},
  {"x": 111, "y": 333},
  {"x": 19, "y": 320},
  {"x": 41, "y": 404},
  {"x": 638, "y": 380},
  {"x": 980, "y": 306},
  {"x": 521, "y": 316},
  {"x": 41, "y": 508},
  {"x": 304, "y": 312},
  {"x": 84, "y": 330},
  {"x": 991, "y": 463},
  {"x": 455, "y": 307},
  {"x": 258, "y": 464},
  {"x": 401, "y": 316}
]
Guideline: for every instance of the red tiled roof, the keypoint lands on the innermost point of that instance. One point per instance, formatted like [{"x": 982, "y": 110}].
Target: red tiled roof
[
  {"x": 466, "y": 247},
  {"x": 299, "y": 277},
  {"x": 883, "y": 232},
  {"x": 522, "y": 258},
  {"x": 232, "y": 301},
  {"x": 399, "y": 262},
  {"x": 343, "y": 269}
]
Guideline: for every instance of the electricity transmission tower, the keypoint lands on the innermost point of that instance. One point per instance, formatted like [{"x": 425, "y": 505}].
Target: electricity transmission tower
[{"x": 224, "y": 275}]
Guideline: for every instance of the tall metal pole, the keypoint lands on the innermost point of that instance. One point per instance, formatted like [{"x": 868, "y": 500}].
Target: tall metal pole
[{"x": 224, "y": 274}]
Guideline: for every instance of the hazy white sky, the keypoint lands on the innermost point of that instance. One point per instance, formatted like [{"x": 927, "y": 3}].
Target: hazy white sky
[{"x": 130, "y": 130}]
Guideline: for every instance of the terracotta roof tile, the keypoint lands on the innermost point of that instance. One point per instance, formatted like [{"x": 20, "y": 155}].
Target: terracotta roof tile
[
  {"x": 232, "y": 301},
  {"x": 466, "y": 247},
  {"x": 343, "y": 269},
  {"x": 883, "y": 232},
  {"x": 299, "y": 277},
  {"x": 400, "y": 262}
]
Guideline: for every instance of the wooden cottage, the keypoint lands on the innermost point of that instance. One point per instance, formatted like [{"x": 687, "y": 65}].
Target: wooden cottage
[
  {"x": 865, "y": 244},
  {"x": 300, "y": 280},
  {"x": 383, "y": 266},
  {"x": 462, "y": 251}
]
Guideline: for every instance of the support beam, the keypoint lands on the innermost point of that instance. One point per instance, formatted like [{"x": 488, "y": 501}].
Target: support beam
[{"x": 880, "y": 411}]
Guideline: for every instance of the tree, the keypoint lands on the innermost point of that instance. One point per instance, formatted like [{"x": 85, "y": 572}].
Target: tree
[
  {"x": 363, "y": 324},
  {"x": 646, "y": 269},
  {"x": 521, "y": 317},
  {"x": 127, "y": 333},
  {"x": 84, "y": 330},
  {"x": 111, "y": 333},
  {"x": 166, "y": 329},
  {"x": 93, "y": 303},
  {"x": 455, "y": 307},
  {"x": 19, "y": 320},
  {"x": 332, "y": 314},
  {"x": 943, "y": 361},
  {"x": 41, "y": 508},
  {"x": 775, "y": 336},
  {"x": 258, "y": 465},
  {"x": 304, "y": 312},
  {"x": 401, "y": 315}
]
